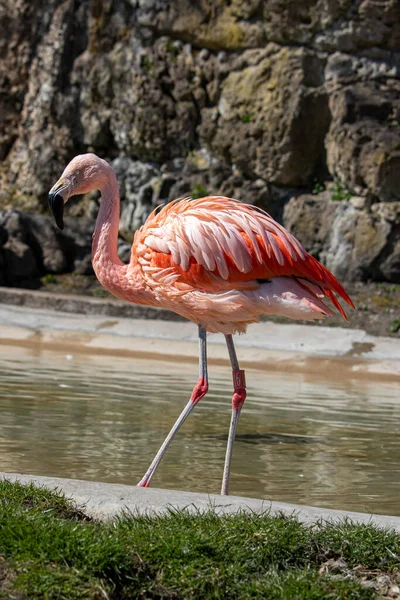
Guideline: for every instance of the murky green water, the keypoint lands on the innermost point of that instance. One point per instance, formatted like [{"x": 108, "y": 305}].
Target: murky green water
[{"x": 301, "y": 439}]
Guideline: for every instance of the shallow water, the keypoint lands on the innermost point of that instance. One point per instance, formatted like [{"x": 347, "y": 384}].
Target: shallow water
[{"x": 301, "y": 438}]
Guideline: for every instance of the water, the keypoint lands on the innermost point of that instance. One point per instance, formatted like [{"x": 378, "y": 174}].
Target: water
[{"x": 301, "y": 439}]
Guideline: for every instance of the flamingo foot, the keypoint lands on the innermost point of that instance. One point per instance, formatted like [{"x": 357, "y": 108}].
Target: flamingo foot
[
  {"x": 143, "y": 483},
  {"x": 199, "y": 391}
]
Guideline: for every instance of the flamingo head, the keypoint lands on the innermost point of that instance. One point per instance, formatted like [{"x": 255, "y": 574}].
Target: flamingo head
[{"x": 84, "y": 173}]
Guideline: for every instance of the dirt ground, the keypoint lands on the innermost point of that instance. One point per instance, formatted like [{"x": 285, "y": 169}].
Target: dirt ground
[{"x": 377, "y": 304}]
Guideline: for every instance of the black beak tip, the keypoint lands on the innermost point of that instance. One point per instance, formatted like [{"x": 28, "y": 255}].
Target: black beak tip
[{"x": 56, "y": 205}]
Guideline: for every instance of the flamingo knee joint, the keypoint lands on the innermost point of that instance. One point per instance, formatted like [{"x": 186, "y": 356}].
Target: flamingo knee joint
[{"x": 200, "y": 390}]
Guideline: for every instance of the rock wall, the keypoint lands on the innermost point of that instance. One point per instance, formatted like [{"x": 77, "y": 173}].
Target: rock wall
[
  {"x": 263, "y": 100},
  {"x": 355, "y": 242}
]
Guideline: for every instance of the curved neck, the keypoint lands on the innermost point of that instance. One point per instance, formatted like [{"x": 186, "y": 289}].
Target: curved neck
[{"x": 106, "y": 262}]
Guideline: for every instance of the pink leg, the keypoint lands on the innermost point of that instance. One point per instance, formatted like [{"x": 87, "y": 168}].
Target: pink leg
[
  {"x": 199, "y": 391},
  {"x": 238, "y": 398}
]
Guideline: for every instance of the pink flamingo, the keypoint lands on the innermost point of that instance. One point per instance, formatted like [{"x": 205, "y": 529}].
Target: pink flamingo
[{"x": 214, "y": 260}]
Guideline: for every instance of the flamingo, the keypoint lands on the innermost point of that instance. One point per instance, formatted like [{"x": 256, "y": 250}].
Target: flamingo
[{"x": 214, "y": 260}]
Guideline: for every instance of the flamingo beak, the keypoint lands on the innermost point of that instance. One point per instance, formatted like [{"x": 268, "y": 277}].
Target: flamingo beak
[
  {"x": 56, "y": 204},
  {"x": 57, "y": 201}
]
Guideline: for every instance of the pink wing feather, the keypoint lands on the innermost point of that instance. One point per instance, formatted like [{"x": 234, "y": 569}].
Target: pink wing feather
[{"x": 217, "y": 243}]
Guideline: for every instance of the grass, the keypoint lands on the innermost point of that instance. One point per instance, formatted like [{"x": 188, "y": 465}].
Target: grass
[
  {"x": 318, "y": 187},
  {"x": 100, "y": 293},
  {"x": 340, "y": 193},
  {"x": 199, "y": 191},
  {"x": 49, "y": 550},
  {"x": 147, "y": 63},
  {"x": 395, "y": 326},
  {"x": 49, "y": 278},
  {"x": 173, "y": 50},
  {"x": 247, "y": 117}
]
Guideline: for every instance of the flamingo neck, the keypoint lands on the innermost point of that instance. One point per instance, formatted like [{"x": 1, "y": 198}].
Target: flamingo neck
[{"x": 109, "y": 269}]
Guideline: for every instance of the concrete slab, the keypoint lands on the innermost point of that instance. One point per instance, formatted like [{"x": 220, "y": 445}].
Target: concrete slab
[
  {"x": 107, "y": 500},
  {"x": 306, "y": 339},
  {"x": 285, "y": 347}
]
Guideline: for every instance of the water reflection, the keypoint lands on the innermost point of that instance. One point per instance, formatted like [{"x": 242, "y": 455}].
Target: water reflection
[{"x": 301, "y": 439}]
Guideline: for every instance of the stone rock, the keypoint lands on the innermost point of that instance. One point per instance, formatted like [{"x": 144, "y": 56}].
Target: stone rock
[
  {"x": 76, "y": 240},
  {"x": 258, "y": 130},
  {"x": 159, "y": 122},
  {"x": 310, "y": 218},
  {"x": 13, "y": 224},
  {"x": 348, "y": 26},
  {"x": 18, "y": 262},
  {"x": 345, "y": 68},
  {"x": 106, "y": 77},
  {"x": 387, "y": 265},
  {"x": 45, "y": 41},
  {"x": 245, "y": 98},
  {"x": 19, "y": 19},
  {"x": 202, "y": 174},
  {"x": 36, "y": 247},
  {"x": 42, "y": 237},
  {"x": 137, "y": 182},
  {"x": 358, "y": 202},
  {"x": 124, "y": 251},
  {"x": 3, "y": 234},
  {"x": 239, "y": 24},
  {"x": 144, "y": 187},
  {"x": 234, "y": 25},
  {"x": 363, "y": 143},
  {"x": 51, "y": 248},
  {"x": 353, "y": 244},
  {"x": 162, "y": 188}
]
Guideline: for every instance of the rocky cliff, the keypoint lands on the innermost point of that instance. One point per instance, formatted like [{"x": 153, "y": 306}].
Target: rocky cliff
[{"x": 293, "y": 105}]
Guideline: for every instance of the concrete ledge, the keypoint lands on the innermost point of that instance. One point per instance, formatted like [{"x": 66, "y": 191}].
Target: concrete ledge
[
  {"x": 106, "y": 500},
  {"x": 84, "y": 305},
  {"x": 290, "y": 347}
]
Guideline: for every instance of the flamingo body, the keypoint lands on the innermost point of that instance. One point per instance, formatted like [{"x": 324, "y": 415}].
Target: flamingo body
[
  {"x": 222, "y": 264},
  {"x": 215, "y": 261}
]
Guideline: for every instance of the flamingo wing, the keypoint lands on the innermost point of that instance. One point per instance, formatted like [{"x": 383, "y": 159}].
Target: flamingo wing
[{"x": 217, "y": 243}]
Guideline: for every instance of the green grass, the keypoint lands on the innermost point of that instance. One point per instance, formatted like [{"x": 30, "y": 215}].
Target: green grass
[
  {"x": 395, "y": 326},
  {"x": 199, "y": 191},
  {"x": 340, "y": 193},
  {"x": 49, "y": 550},
  {"x": 49, "y": 278},
  {"x": 247, "y": 117},
  {"x": 173, "y": 50},
  {"x": 100, "y": 293},
  {"x": 318, "y": 187},
  {"x": 147, "y": 63}
]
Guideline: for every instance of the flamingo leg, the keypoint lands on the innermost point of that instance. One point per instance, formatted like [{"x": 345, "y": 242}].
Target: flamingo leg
[
  {"x": 199, "y": 391},
  {"x": 238, "y": 398}
]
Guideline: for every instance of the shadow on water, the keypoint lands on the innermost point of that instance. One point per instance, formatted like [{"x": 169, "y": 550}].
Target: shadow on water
[
  {"x": 272, "y": 438},
  {"x": 301, "y": 438}
]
